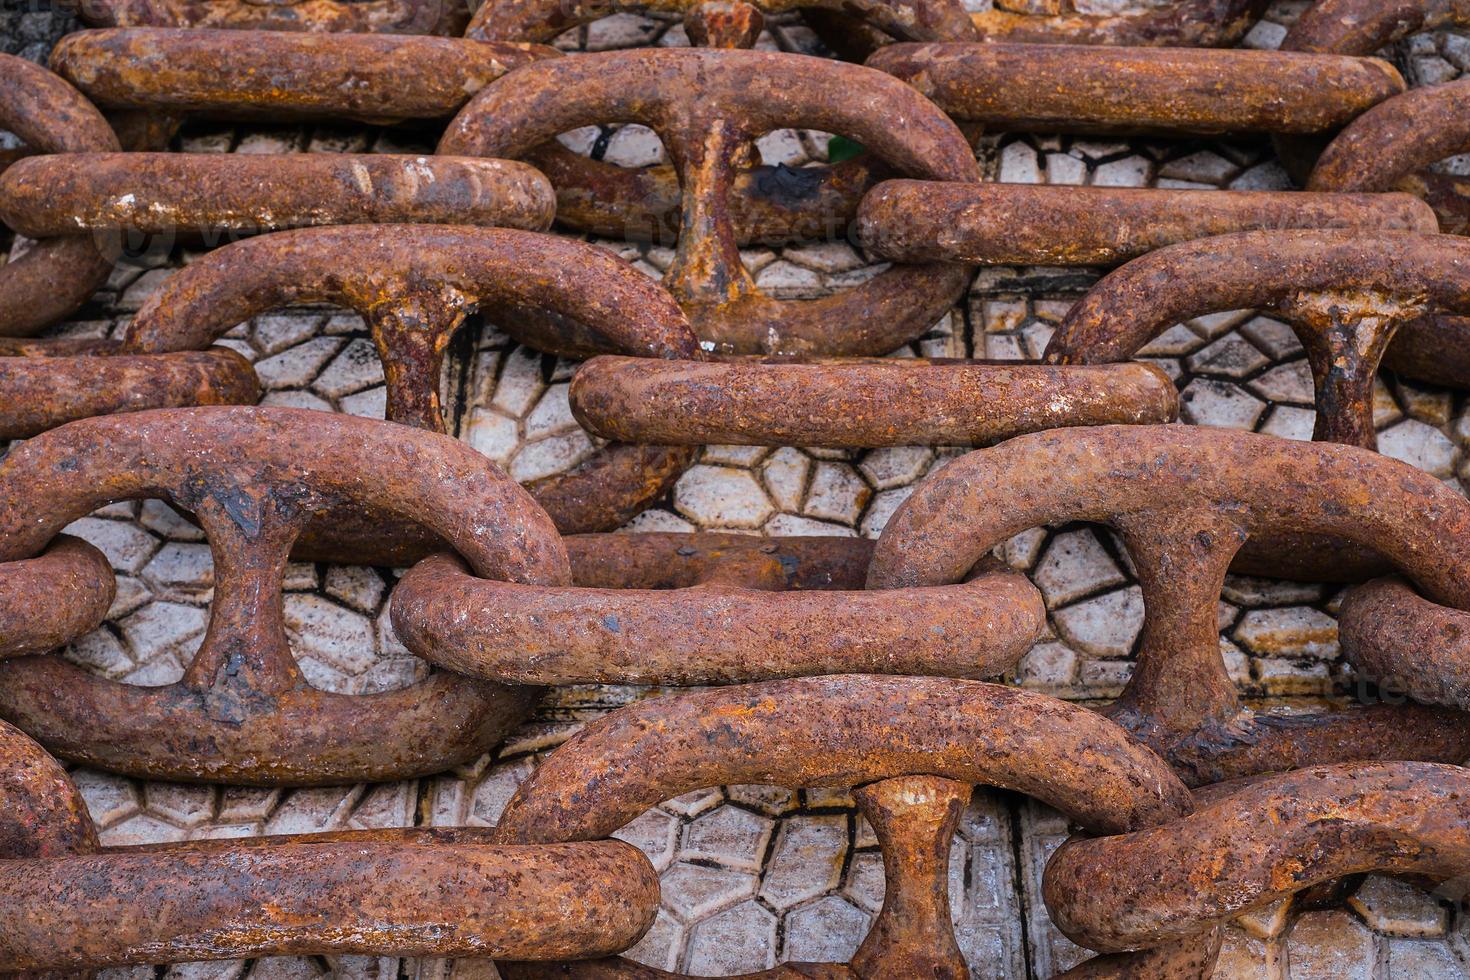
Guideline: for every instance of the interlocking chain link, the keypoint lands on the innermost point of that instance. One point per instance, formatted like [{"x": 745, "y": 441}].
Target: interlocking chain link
[{"x": 845, "y": 663}]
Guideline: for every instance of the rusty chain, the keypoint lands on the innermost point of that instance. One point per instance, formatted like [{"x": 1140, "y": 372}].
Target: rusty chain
[{"x": 847, "y": 663}]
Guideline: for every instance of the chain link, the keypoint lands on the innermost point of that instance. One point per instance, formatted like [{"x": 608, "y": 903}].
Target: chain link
[{"x": 842, "y": 662}]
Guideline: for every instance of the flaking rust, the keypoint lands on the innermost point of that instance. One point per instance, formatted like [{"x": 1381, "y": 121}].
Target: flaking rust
[
  {"x": 68, "y": 904},
  {"x": 1184, "y": 24},
  {"x": 912, "y": 747},
  {"x": 191, "y": 195},
  {"x": 282, "y": 75},
  {"x": 708, "y": 106},
  {"x": 1040, "y": 224},
  {"x": 414, "y": 285},
  {"x": 324, "y": 16},
  {"x": 254, "y": 478},
  {"x": 1184, "y": 501},
  {"x": 51, "y": 599},
  {"x": 1346, "y": 295},
  {"x": 56, "y": 276},
  {"x": 1391, "y": 147},
  {"x": 42, "y": 392},
  {"x": 728, "y": 616},
  {"x": 852, "y": 402},
  {"x": 1166, "y": 91},
  {"x": 1407, "y": 645},
  {"x": 1247, "y": 846}
]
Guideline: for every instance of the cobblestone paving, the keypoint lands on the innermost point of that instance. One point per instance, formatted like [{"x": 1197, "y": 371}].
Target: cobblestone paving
[{"x": 753, "y": 876}]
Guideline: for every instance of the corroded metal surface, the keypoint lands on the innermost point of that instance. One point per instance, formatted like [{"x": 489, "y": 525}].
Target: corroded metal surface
[
  {"x": 732, "y": 620},
  {"x": 1184, "y": 501},
  {"x": 1358, "y": 27},
  {"x": 1261, "y": 843},
  {"x": 253, "y": 479},
  {"x": 1388, "y": 148},
  {"x": 414, "y": 286},
  {"x": 1185, "y": 24},
  {"x": 362, "y": 77},
  {"x": 768, "y": 205},
  {"x": 243, "y": 193},
  {"x": 320, "y": 893},
  {"x": 54, "y": 277},
  {"x": 707, "y": 105},
  {"x": 1345, "y": 294},
  {"x": 53, "y": 598},
  {"x": 1406, "y": 644},
  {"x": 305, "y": 893},
  {"x": 44, "y": 392},
  {"x": 1365, "y": 26},
  {"x": 857, "y": 402},
  {"x": 1173, "y": 91},
  {"x": 278, "y": 75},
  {"x": 1024, "y": 224},
  {"x": 363, "y": 16},
  {"x": 914, "y": 746},
  {"x": 543, "y": 20}
]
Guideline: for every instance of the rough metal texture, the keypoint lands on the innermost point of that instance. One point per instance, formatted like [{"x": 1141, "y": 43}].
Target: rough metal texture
[
  {"x": 414, "y": 286},
  {"x": 1183, "y": 24},
  {"x": 1389, "y": 148},
  {"x": 44, "y": 392},
  {"x": 1243, "y": 849},
  {"x": 54, "y": 277},
  {"x": 726, "y": 912},
  {"x": 67, "y": 904},
  {"x": 857, "y": 403},
  {"x": 1141, "y": 90},
  {"x": 1364, "y": 26},
  {"x": 361, "y": 77},
  {"x": 253, "y": 479},
  {"x": 731, "y": 620},
  {"x": 889, "y": 735},
  {"x": 1022, "y": 224},
  {"x": 53, "y": 598},
  {"x": 362, "y": 16},
  {"x": 1361, "y": 27},
  {"x": 708, "y": 106},
  {"x": 767, "y": 204},
  {"x": 191, "y": 194},
  {"x": 544, "y": 20},
  {"x": 283, "y": 75},
  {"x": 1184, "y": 501},
  {"x": 1407, "y": 644},
  {"x": 1345, "y": 293}
]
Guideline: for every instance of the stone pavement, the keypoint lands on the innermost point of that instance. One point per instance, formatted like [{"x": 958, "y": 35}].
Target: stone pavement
[{"x": 753, "y": 876}]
